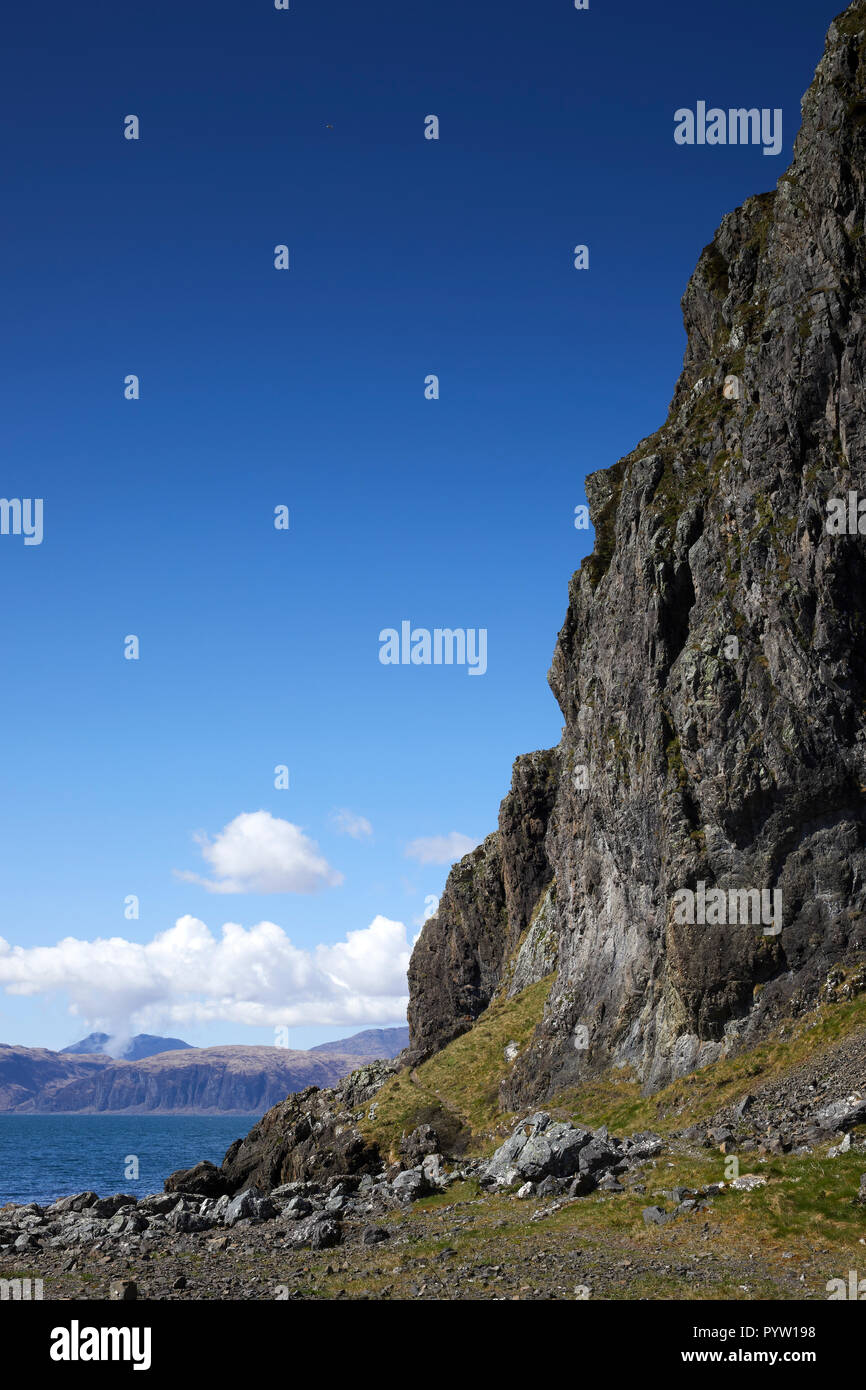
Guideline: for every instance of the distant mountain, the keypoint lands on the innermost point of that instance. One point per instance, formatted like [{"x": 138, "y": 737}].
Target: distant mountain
[
  {"x": 178, "y": 1078},
  {"x": 28, "y": 1072},
  {"x": 141, "y": 1046},
  {"x": 373, "y": 1042}
]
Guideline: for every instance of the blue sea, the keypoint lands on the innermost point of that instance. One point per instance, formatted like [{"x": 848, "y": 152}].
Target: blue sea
[{"x": 47, "y": 1156}]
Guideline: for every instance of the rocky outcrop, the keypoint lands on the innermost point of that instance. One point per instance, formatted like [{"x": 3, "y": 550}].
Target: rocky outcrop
[
  {"x": 540, "y": 1148},
  {"x": 711, "y": 670},
  {"x": 313, "y": 1135},
  {"x": 459, "y": 960}
]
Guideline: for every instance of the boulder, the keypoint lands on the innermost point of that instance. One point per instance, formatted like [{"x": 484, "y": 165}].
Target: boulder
[
  {"x": 107, "y": 1206},
  {"x": 843, "y": 1114},
  {"x": 416, "y": 1146},
  {"x": 411, "y": 1184},
  {"x": 204, "y": 1179},
  {"x": 316, "y": 1233},
  {"x": 251, "y": 1204},
  {"x": 374, "y": 1235},
  {"x": 433, "y": 1168},
  {"x": 538, "y": 1148},
  {"x": 78, "y": 1202},
  {"x": 297, "y": 1209}
]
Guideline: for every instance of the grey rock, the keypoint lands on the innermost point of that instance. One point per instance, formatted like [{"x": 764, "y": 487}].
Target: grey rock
[
  {"x": 656, "y": 1216},
  {"x": 159, "y": 1202},
  {"x": 246, "y": 1205},
  {"x": 416, "y": 1146},
  {"x": 843, "y": 1114},
  {"x": 78, "y": 1202},
  {"x": 107, "y": 1206},
  {"x": 610, "y": 1183},
  {"x": 596, "y": 1156},
  {"x": 316, "y": 1233},
  {"x": 742, "y": 773},
  {"x": 297, "y": 1209},
  {"x": 537, "y": 1148},
  {"x": 411, "y": 1184},
  {"x": 374, "y": 1235},
  {"x": 433, "y": 1168}
]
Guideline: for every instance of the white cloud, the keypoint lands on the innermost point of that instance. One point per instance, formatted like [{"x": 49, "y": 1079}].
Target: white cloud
[
  {"x": 348, "y": 823},
  {"x": 440, "y": 849},
  {"x": 187, "y": 975},
  {"x": 257, "y": 853}
]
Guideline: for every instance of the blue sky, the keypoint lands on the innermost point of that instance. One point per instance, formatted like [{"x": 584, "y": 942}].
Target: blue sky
[{"x": 306, "y": 388}]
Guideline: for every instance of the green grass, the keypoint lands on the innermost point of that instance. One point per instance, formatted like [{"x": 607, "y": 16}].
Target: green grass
[
  {"x": 616, "y": 1099},
  {"x": 457, "y": 1091}
]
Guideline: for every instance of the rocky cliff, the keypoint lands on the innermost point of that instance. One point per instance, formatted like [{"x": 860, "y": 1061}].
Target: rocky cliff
[
  {"x": 486, "y": 907},
  {"x": 711, "y": 672}
]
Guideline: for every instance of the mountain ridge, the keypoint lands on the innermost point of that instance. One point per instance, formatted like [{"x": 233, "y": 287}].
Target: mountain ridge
[
  {"x": 213, "y": 1080},
  {"x": 139, "y": 1046}
]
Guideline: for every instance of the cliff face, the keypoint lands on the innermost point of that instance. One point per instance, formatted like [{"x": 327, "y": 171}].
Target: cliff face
[
  {"x": 711, "y": 669},
  {"x": 209, "y": 1079},
  {"x": 26, "y": 1071},
  {"x": 459, "y": 959}
]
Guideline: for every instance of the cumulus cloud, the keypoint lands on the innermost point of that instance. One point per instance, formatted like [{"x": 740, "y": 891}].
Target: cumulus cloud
[
  {"x": 440, "y": 849},
  {"x": 348, "y": 823},
  {"x": 258, "y": 853},
  {"x": 188, "y": 975}
]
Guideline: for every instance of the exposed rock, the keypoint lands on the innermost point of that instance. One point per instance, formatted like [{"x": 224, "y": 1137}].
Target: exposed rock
[
  {"x": 459, "y": 959},
  {"x": 205, "y": 1178},
  {"x": 311, "y": 1135},
  {"x": 411, "y": 1184},
  {"x": 686, "y": 758},
  {"x": 416, "y": 1146},
  {"x": 656, "y": 1216},
  {"x": 843, "y": 1114},
  {"x": 251, "y": 1204},
  {"x": 748, "y": 1182},
  {"x": 317, "y": 1233},
  {"x": 107, "y": 1206},
  {"x": 537, "y": 1148},
  {"x": 537, "y": 957},
  {"x": 374, "y": 1235}
]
